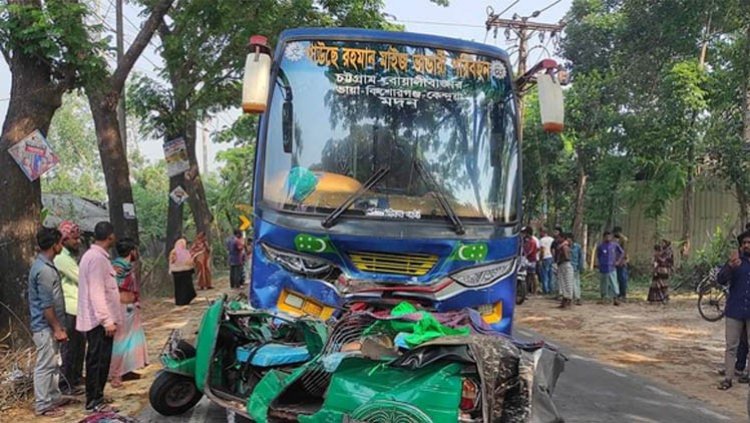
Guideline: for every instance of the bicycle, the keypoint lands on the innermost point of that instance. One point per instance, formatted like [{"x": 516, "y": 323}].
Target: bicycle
[{"x": 712, "y": 296}]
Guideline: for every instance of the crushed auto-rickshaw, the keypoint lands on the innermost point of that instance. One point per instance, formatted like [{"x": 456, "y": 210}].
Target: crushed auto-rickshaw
[{"x": 373, "y": 364}]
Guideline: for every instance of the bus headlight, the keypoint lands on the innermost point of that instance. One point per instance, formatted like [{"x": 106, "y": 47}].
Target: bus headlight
[
  {"x": 482, "y": 275},
  {"x": 297, "y": 263}
]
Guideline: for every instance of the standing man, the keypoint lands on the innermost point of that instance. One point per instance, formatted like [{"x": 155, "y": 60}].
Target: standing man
[
  {"x": 576, "y": 258},
  {"x": 607, "y": 255},
  {"x": 546, "y": 247},
  {"x": 531, "y": 254},
  {"x": 236, "y": 248},
  {"x": 557, "y": 236},
  {"x": 74, "y": 350},
  {"x": 47, "y": 308},
  {"x": 565, "y": 271},
  {"x": 622, "y": 264},
  {"x": 736, "y": 274},
  {"x": 98, "y": 313}
]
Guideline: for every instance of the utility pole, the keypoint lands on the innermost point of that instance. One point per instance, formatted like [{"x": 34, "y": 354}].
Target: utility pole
[
  {"x": 524, "y": 29},
  {"x": 121, "y": 117},
  {"x": 205, "y": 149}
]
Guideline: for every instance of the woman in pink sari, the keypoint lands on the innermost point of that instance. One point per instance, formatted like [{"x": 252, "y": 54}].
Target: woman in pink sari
[
  {"x": 129, "y": 351},
  {"x": 181, "y": 268}
]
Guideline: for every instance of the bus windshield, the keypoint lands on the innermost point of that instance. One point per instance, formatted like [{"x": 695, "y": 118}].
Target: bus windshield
[{"x": 391, "y": 129}]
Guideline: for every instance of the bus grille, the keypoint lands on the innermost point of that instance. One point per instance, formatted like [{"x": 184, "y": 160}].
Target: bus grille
[{"x": 399, "y": 264}]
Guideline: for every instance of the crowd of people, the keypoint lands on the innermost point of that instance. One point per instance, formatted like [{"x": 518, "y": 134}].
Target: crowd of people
[
  {"x": 90, "y": 310},
  {"x": 557, "y": 261},
  {"x": 87, "y": 312}
]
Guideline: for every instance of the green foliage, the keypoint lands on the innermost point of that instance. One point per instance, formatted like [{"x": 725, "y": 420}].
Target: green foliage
[
  {"x": 73, "y": 138},
  {"x": 235, "y": 182},
  {"x": 150, "y": 194},
  {"x": 712, "y": 254},
  {"x": 57, "y": 33},
  {"x": 637, "y": 113}
]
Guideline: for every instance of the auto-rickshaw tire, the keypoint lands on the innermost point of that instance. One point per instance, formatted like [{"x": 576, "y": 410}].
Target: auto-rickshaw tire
[
  {"x": 185, "y": 350},
  {"x": 165, "y": 382}
]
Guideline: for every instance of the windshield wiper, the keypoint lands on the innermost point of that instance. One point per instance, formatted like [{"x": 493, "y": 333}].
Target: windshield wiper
[
  {"x": 376, "y": 177},
  {"x": 437, "y": 190}
]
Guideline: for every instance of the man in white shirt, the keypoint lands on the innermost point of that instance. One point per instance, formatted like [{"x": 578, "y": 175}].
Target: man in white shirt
[{"x": 545, "y": 244}]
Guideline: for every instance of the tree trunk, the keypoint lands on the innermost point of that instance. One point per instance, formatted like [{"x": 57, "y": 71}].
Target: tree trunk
[
  {"x": 104, "y": 95},
  {"x": 742, "y": 202},
  {"x": 174, "y": 215},
  {"x": 580, "y": 207},
  {"x": 34, "y": 98},
  {"x": 194, "y": 186},
  {"x": 114, "y": 161}
]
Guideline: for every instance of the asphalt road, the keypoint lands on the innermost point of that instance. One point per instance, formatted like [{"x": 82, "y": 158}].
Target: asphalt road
[
  {"x": 587, "y": 392},
  {"x": 590, "y": 392}
]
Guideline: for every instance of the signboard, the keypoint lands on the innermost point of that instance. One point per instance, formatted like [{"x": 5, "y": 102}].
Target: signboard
[
  {"x": 244, "y": 223},
  {"x": 34, "y": 155},
  {"x": 178, "y": 195},
  {"x": 128, "y": 211},
  {"x": 175, "y": 153},
  {"x": 400, "y": 77}
]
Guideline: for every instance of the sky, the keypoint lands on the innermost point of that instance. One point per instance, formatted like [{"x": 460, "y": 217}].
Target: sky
[{"x": 462, "y": 19}]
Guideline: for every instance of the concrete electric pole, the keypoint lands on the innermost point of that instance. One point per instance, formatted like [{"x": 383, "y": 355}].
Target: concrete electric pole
[
  {"x": 524, "y": 29},
  {"x": 121, "y": 117}
]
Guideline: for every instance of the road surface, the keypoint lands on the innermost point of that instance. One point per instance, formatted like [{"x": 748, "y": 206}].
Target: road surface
[{"x": 587, "y": 392}]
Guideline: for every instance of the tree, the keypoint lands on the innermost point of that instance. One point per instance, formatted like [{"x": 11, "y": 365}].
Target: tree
[
  {"x": 73, "y": 138},
  {"x": 42, "y": 43},
  {"x": 204, "y": 47},
  {"x": 103, "y": 92}
]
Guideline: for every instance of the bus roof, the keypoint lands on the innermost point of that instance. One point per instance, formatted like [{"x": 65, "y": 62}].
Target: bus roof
[{"x": 412, "y": 38}]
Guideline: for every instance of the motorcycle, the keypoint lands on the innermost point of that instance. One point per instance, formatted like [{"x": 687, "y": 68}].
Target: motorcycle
[{"x": 522, "y": 288}]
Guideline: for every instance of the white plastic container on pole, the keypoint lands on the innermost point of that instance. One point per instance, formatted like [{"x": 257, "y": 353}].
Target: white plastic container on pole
[
  {"x": 256, "y": 80},
  {"x": 551, "y": 105}
]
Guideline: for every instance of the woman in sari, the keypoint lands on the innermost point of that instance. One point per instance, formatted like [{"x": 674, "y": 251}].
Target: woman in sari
[
  {"x": 181, "y": 268},
  {"x": 129, "y": 351},
  {"x": 201, "y": 253}
]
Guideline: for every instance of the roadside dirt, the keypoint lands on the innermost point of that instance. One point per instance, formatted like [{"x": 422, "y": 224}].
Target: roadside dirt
[
  {"x": 160, "y": 317},
  {"x": 669, "y": 344}
]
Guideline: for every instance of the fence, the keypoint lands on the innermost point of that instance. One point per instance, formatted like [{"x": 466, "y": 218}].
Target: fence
[{"x": 714, "y": 207}]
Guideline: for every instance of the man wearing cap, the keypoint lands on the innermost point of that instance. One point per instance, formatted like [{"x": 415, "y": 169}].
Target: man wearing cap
[
  {"x": 74, "y": 350},
  {"x": 736, "y": 274}
]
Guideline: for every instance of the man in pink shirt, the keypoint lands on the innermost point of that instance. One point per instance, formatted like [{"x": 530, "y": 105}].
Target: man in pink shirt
[{"x": 98, "y": 313}]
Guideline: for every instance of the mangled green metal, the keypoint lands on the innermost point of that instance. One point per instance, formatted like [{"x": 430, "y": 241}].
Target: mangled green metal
[
  {"x": 205, "y": 341},
  {"x": 357, "y": 382},
  {"x": 418, "y": 332}
]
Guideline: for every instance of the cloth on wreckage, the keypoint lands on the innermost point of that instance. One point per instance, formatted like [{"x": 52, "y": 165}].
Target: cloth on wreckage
[{"x": 419, "y": 327}]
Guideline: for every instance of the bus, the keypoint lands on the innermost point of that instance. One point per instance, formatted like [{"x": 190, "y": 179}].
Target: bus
[{"x": 387, "y": 169}]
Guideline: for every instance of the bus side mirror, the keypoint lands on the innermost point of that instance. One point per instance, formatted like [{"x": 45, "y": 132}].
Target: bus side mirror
[
  {"x": 551, "y": 104},
  {"x": 255, "y": 82},
  {"x": 287, "y": 126}
]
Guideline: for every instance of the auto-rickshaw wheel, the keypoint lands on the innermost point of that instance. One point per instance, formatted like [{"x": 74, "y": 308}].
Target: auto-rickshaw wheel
[
  {"x": 385, "y": 411},
  {"x": 172, "y": 394}
]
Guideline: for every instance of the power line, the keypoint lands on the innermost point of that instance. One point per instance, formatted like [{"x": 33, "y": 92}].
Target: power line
[
  {"x": 546, "y": 8},
  {"x": 436, "y": 23},
  {"x": 491, "y": 11},
  {"x": 134, "y": 36}
]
